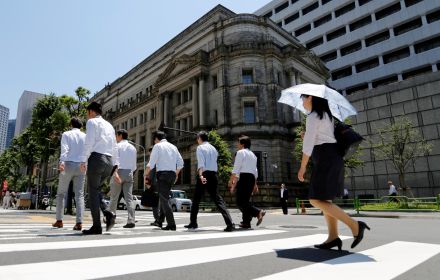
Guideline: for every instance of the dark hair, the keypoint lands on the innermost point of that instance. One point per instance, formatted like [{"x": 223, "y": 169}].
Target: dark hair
[
  {"x": 160, "y": 135},
  {"x": 76, "y": 123},
  {"x": 320, "y": 105},
  {"x": 245, "y": 141},
  {"x": 96, "y": 107},
  {"x": 203, "y": 135},
  {"x": 123, "y": 133}
]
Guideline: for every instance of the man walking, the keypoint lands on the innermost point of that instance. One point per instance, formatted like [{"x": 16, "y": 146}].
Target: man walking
[
  {"x": 168, "y": 162},
  {"x": 72, "y": 147},
  {"x": 283, "y": 198},
  {"x": 207, "y": 170},
  {"x": 123, "y": 179},
  {"x": 100, "y": 159}
]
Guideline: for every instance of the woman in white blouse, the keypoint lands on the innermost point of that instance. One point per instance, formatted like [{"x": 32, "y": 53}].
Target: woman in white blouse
[{"x": 327, "y": 177}]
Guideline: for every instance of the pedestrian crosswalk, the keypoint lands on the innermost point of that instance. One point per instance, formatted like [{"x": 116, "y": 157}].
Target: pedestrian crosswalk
[{"x": 31, "y": 251}]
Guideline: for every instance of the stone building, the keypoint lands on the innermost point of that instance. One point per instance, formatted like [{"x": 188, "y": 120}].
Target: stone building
[{"x": 223, "y": 72}]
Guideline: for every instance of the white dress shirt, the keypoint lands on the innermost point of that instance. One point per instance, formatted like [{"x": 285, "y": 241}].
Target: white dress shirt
[
  {"x": 100, "y": 138},
  {"x": 72, "y": 145},
  {"x": 245, "y": 162},
  {"x": 318, "y": 132},
  {"x": 127, "y": 155},
  {"x": 206, "y": 157},
  {"x": 392, "y": 190},
  {"x": 165, "y": 157}
]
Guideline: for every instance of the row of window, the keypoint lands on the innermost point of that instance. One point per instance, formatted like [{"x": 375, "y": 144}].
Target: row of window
[
  {"x": 184, "y": 96},
  {"x": 392, "y": 79},
  {"x": 133, "y": 122}
]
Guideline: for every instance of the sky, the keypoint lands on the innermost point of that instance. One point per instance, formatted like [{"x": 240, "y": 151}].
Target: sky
[{"x": 55, "y": 46}]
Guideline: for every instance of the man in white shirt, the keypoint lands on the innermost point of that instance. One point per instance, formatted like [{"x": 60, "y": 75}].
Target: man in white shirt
[
  {"x": 207, "y": 170},
  {"x": 123, "y": 179},
  {"x": 392, "y": 191},
  {"x": 100, "y": 159},
  {"x": 72, "y": 146},
  {"x": 168, "y": 162},
  {"x": 243, "y": 178}
]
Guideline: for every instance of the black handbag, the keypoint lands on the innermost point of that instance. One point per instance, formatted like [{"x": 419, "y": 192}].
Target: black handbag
[
  {"x": 347, "y": 139},
  {"x": 149, "y": 198}
]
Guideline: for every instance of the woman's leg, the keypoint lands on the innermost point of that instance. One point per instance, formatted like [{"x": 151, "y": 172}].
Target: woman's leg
[{"x": 332, "y": 226}]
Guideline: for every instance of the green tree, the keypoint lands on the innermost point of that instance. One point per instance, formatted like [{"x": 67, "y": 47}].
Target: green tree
[
  {"x": 27, "y": 152},
  {"x": 224, "y": 155},
  {"x": 401, "y": 143}
]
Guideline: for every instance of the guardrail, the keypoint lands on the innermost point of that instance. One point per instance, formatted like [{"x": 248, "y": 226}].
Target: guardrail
[{"x": 385, "y": 203}]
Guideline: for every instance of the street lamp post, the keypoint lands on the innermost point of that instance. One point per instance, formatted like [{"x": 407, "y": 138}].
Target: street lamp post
[
  {"x": 143, "y": 149},
  {"x": 265, "y": 166}
]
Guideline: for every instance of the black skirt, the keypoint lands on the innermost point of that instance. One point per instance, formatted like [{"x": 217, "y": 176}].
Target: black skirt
[{"x": 327, "y": 180}]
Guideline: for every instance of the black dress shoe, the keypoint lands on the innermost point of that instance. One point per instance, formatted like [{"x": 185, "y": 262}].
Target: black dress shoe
[
  {"x": 191, "y": 226},
  {"x": 156, "y": 224},
  {"x": 131, "y": 225},
  {"x": 229, "y": 228},
  {"x": 110, "y": 220},
  {"x": 244, "y": 225},
  {"x": 92, "y": 230},
  {"x": 358, "y": 238},
  {"x": 172, "y": 228},
  {"x": 331, "y": 244}
]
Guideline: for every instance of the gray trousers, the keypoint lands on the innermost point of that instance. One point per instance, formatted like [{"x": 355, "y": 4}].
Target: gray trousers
[
  {"x": 165, "y": 179},
  {"x": 127, "y": 187},
  {"x": 71, "y": 172},
  {"x": 99, "y": 168}
]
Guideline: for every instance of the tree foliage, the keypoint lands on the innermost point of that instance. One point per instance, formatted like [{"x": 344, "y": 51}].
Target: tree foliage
[{"x": 224, "y": 155}]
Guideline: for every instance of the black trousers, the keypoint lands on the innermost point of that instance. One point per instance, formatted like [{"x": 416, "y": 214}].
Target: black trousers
[
  {"x": 99, "y": 168},
  {"x": 245, "y": 186},
  {"x": 165, "y": 180},
  {"x": 284, "y": 205},
  {"x": 211, "y": 187}
]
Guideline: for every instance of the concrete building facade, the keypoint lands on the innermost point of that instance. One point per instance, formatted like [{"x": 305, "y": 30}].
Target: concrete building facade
[
  {"x": 4, "y": 117},
  {"x": 24, "y": 110},
  {"x": 365, "y": 43},
  {"x": 10, "y": 134},
  {"x": 224, "y": 72}
]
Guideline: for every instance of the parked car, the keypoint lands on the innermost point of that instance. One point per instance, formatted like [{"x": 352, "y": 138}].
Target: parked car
[
  {"x": 179, "y": 201},
  {"x": 136, "y": 203}
]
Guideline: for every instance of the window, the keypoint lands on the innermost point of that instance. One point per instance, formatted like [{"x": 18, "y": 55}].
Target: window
[
  {"x": 396, "y": 55},
  {"x": 417, "y": 72},
  {"x": 315, "y": 43},
  {"x": 337, "y": 33},
  {"x": 190, "y": 123},
  {"x": 385, "y": 81},
  {"x": 356, "y": 89},
  {"x": 377, "y": 38},
  {"x": 339, "y": 74},
  {"x": 184, "y": 124},
  {"x": 434, "y": 16},
  {"x": 322, "y": 20},
  {"x": 360, "y": 23},
  {"x": 409, "y": 3},
  {"x": 325, "y": 1},
  {"x": 214, "y": 81},
  {"x": 184, "y": 96},
  {"x": 281, "y": 7},
  {"x": 249, "y": 112},
  {"x": 215, "y": 117},
  {"x": 302, "y": 30},
  {"x": 329, "y": 57},
  {"x": 280, "y": 24},
  {"x": 141, "y": 119},
  {"x": 247, "y": 76},
  {"x": 268, "y": 15},
  {"x": 408, "y": 26},
  {"x": 388, "y": 11},
  {"x": 366, "y": 65},
  {"x": 427, "y": 45},
  {"x": 131, "y": 123},
  {"x": 179, "y": 98},
  {"x": 339, "y": 12},
  {"x": 351, "y": 48},
  {"x": 190, "y": 93},
  {"x": 143, "y": 143},
  {"x": 310, "y": 8},
  {"x": 291, "y": 18},
  {"x": 279, "y": 79},
  {"x": 152, "y": 114},
  {"x": 363, "y": 2}
]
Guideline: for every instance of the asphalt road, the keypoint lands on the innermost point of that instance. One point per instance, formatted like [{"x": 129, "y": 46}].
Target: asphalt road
[{"x": 405, "y": 247}]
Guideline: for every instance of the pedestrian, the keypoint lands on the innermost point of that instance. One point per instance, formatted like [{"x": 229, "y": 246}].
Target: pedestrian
[
  {"x": 72, "y": 147},
  {"x": 284, "y": 194},
  {"x": 123, "y": 179},
  {"x": 392, "y": 191},
  {"x": 327, "y": 176},
  {"x": 152, "y": 197},
  {"x": 207, "y": 180},
  {"x": 168, "y": 162},
  {"x": 6, "y": 200},
  {"x": 100, "y": 159},
  {"x": 244, "y": 180}
]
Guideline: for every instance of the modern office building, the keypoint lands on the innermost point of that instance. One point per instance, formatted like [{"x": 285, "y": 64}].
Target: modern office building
[
  {"x": 365, "y": 43},
  {"x": 224, "y": 72},
  {"x": 11, "y": 131},
  {"x": 4, "y": 117},
  {"x": 24, "y": 110}
]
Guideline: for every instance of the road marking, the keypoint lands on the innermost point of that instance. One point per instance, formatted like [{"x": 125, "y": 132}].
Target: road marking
[
  {"x": 128, "y": 241},
  {"x": 380, "y": 263},
  {"x": 91, "y": 268}
]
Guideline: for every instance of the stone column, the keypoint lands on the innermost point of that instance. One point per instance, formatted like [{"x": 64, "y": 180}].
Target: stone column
[
  {"x": 202, "y": 101},
  {"x": 195, "y": 104}
]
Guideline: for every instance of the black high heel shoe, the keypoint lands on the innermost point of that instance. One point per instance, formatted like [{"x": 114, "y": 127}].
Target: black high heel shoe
[
  {"x": 331, "y": 244},
  {"x": 358, "y": 238}
]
